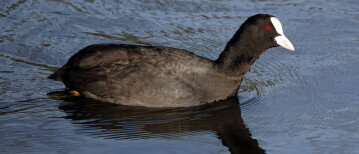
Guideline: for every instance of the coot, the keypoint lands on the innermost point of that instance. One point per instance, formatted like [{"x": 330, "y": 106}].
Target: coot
[{"x": 154, "y": 76}]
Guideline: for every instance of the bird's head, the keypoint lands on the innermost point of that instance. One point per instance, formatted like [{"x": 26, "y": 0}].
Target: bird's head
[{"x": 265, "y": 29}]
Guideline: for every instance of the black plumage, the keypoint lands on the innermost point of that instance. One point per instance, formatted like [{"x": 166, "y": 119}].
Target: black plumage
[{"x": 154, "y": 76}]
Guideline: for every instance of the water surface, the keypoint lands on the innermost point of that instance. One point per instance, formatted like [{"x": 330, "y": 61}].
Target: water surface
[{"x": 291, "y": 102}]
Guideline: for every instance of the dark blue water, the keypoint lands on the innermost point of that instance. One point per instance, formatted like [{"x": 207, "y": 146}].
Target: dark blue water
[{"x": 291, "y": 102}]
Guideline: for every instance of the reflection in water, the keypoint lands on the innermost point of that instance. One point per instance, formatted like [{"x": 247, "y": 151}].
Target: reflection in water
[{"x": 124, "y": 122}]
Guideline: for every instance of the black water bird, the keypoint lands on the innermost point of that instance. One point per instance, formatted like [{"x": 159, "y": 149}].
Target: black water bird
[{"x": 154, "y": 76}]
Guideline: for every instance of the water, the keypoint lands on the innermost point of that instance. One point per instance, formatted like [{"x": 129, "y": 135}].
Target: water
[{"x": 291, "y": 102}]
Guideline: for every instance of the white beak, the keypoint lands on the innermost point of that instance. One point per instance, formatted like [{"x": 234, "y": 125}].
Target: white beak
[
  {"x": 281, "y": 40},
  {"x": 284, "y": 42}
]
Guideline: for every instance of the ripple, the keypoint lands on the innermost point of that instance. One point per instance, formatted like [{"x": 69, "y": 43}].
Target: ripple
[
  {"x": 270, "y": 71},
  {"x": 113, "y": 121}
]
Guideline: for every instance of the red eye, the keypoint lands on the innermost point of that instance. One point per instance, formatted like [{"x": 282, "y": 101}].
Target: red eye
[{"x": 266, "y": 27}]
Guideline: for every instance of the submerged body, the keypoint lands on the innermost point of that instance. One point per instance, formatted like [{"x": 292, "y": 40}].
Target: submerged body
[{"x": 165, "y": 77}]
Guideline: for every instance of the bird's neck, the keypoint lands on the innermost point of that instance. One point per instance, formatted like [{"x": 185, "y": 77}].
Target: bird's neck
[{"x": 239, "y": 55}]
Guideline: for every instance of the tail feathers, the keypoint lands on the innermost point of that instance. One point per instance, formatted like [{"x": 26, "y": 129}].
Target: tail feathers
[{"x": 57, "y": 75}]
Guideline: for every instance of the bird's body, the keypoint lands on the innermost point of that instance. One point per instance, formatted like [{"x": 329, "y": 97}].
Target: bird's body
[
  {"x": 160, "y": 76},
  {"x": 140, "y": 74}
]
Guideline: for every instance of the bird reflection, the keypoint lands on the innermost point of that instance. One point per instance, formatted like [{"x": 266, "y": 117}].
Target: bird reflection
[{"x": 127, "y": 122}]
